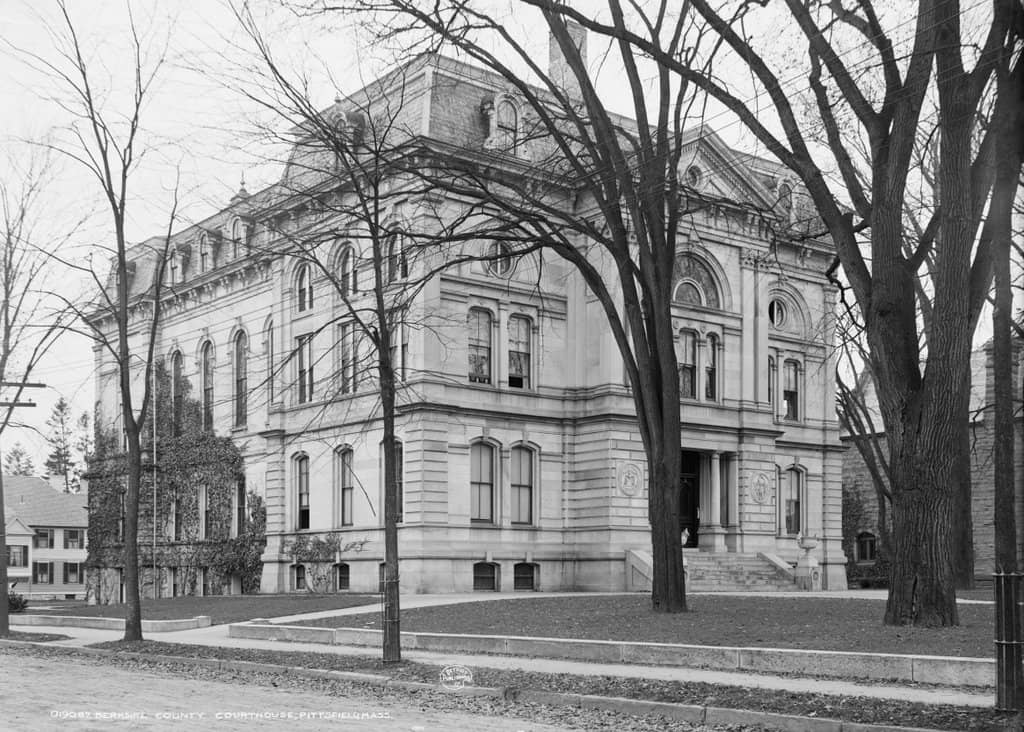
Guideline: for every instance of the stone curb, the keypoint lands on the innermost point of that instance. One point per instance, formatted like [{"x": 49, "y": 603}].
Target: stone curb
[
  {"x": 972, "y": 672},
  {"x": 693, "y": 713},
  {"x": 82, "y": 621}
]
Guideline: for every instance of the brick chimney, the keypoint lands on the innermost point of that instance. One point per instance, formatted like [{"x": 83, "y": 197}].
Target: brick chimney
[{"x": 558, "y": 68}]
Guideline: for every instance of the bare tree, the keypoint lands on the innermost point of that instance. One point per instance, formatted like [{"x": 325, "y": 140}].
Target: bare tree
[
  {"x": 919, "y": 397},
  {"x": 28, "y": 323},
  {"x": 107, "y": 142}
]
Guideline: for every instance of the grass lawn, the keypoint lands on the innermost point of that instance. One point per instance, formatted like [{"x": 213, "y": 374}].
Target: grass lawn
[
  {"x": 714, "y": 620},
  {"x": 220, "y": 608},
  {"x": 36, "y": 637}
]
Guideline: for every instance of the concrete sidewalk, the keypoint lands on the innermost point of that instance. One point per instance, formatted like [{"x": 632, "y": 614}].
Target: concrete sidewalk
[{"x": 217, "y": 635}]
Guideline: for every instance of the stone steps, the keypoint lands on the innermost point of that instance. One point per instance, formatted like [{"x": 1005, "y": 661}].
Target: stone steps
[{"x": 706, "y": 572}]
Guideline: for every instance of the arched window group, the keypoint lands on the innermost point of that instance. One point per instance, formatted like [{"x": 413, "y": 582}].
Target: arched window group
[
  {"x": 694, "y": 352},
  {"x": 695, "y": 284},
  {"x": 480, "y": 349},
  {"x": 485, "y": 483}
]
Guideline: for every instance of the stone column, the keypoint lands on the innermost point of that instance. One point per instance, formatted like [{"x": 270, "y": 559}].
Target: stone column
[{"x": 714, "y": 531}]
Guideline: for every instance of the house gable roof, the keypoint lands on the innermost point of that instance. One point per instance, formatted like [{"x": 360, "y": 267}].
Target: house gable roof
[{"x": 33, "y": 502}]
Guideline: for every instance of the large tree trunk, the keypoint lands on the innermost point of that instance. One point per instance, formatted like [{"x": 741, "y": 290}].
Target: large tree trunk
[
  {"x": 668, "y": 586},
  {"x": 963, "y": 525},
  {"x": 133, "y": 609},
  {"x": 921, "y": 590}
]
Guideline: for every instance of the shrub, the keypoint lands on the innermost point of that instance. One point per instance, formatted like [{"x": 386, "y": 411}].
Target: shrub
[{"x": 16, "y": 603}]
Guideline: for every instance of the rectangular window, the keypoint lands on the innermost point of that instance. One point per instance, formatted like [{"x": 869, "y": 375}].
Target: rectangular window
[
  {"x": 175, "y": 582},
  {"x": 176, "y": 529},
  {"x": 72, "y": 573},
  {"x": 479, "y": 346},
  {"x": 481, "y": 458},
  {"x": 240, "y": 507},
  {"x": 17, "y": 556},
  {"x": 711, "y": 369},
  {"x": 346, "y": 487},
  {"x": 300, "y": 577},
  {"x": 74, "y": 539},
  {"x": 42, "y": 573},
  {"x": 302, "y": 478},
  {"x": 304, "y": 356},
  {"x": 344, "y": 578},
  {"x": 203, "y": 500},
  {"x": 347, "y": 358},
  {"x": 518, "y": 352},
  {"x": 771, "y": 380},
  {"x": 688, "y": 365},
  {"x": 43, "y": 539},
  {"x": 522, "y": 486},
  {"x": 207, "y": 576},
  {"x": 792, "y": 502},
  {"x": 791, "y": 389}
]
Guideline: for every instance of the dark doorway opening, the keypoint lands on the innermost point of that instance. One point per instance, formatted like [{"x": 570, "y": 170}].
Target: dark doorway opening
[{"x": 689, "y": 496}]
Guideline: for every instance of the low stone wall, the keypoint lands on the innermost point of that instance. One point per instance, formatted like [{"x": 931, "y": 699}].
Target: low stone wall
[
  {"x": 84, "y": 621},
  {"x": 978, "y": 672}
]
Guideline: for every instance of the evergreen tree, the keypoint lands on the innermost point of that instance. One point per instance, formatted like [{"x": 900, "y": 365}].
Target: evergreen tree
[
  {"x": 60, "y": 461},
  {"x": 17, "y": 461}
]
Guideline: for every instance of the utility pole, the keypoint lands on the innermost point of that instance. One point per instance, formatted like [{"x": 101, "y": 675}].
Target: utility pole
[{"x": 15, "y": 403}]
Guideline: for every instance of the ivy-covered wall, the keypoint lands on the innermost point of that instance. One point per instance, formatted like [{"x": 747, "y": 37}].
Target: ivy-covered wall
[{"x": 199, "y": 526}]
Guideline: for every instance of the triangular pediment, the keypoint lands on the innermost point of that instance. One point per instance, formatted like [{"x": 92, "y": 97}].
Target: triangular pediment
[
  {"x": 714, "y": 170},
  {"x": 15, "y": 527}
]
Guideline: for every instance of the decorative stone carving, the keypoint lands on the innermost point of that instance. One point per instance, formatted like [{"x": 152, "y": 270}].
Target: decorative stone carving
[
  {"x": 630, "y": 479},
  {"x": 760, "y": 489}
]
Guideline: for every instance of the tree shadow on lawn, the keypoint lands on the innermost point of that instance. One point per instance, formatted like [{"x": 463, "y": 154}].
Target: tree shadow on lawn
[{"x": 840, "y": 624}]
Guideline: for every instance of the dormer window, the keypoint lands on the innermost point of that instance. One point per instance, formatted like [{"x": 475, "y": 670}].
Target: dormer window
[
  {"x": 204, "y": 254},
  {"x": 503, "y": 126},
  {"x": 237, "y": 233},
  {"x": 507, "y": 121}
]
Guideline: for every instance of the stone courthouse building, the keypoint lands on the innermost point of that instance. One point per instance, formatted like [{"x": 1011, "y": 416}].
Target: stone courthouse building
[{"x": 521, "y": 462}]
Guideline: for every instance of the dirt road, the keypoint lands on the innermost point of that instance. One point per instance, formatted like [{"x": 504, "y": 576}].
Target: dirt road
[{"x": 69, "y": 694}]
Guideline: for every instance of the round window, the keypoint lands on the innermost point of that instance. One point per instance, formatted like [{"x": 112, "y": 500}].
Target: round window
[
  {"x": 693, "y": 176},
  {"x": 499, "y": 262},
  {"x": 777, "y": 313}
]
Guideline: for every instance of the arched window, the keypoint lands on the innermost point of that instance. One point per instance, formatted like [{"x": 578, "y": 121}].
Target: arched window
[
  {"x": 688, "y": 364},
  {"x": 507, "y": 126},
  {"x": 703, "y": 286},
  {"x": 304, "y": 285},
  {"x": 298, "y": 577},
  {"x": 786, "y": 200},
  {"x": 396, "y": 263},
  {"x": 771, "y": 379},
  {"x": 177, "y": 391},
  {"x": 206, "y": 362},
  {"x": 302, "y": 491},
  {"x": 711, "y": 369},
  {"x": 241, "y": 379},
  {"x": 521, "y": 459},
  {"x": 687, "y": 292},
  {"x": 204, "y": 254},
  {"x": 346, "y": 273},
  {"x": 792, "y": 493},
  {"x": 485, "y": 576},
  {"x": 481, "y": 472},
  {"x": 791, "y": 388},
  {"x": 519, "y": 330},
  {"x": 237, "y": 232},
  {"x": 304, "y": 366},
  {"x": 344, "y": 485},
  {"x": 479, "y": 346}
]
